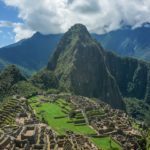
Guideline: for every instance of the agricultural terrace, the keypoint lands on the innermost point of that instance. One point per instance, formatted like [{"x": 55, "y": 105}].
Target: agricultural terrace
[{"x": 56, "y": 115}]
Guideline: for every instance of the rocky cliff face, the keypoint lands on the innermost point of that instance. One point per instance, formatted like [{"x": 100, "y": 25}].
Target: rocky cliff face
[
  {"x": 132, "y": 76},
  {"x": 79, "y": 65}
]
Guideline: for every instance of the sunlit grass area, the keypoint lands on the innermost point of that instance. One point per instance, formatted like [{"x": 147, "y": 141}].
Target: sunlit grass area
[{"x": 55, "y": 114}]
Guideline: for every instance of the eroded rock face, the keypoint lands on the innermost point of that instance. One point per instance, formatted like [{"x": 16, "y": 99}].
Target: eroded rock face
[
  {"x": 79, "y": 64},
  {"x": 132, "y": 76}
]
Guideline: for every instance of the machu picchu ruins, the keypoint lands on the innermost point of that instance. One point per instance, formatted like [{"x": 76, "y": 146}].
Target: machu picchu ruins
[{"x": 22, "y": 128}]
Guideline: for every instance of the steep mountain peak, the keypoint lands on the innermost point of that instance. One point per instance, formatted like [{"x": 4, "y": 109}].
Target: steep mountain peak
[
  {"x": 37, "y": 34},
  {"x": 79, "y": 32},
  {"x": 78, "y": 28},
  {"x": 79, "y": 65},
  {"x": 76, "y": 36}
]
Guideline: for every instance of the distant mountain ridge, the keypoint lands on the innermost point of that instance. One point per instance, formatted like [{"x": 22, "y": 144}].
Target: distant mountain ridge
[
  {"x": 32, "y": 54},
  {"x": 128, "y": 42}
]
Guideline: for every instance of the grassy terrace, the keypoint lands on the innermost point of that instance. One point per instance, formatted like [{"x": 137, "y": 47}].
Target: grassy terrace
[
  {"x": 56, "y": 115},
  {"x": 7, "y": 115},
  {"x": 105, "y": 143},
  {"x": 57, "y": 119}
]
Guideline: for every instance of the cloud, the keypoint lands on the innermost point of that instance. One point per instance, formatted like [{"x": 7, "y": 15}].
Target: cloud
[
  {"x": 6, "y": 23},
  {"x": 55, "y": 16},
  {"x": 21, "y": 30},
  {"x": 84, "y": 6}
]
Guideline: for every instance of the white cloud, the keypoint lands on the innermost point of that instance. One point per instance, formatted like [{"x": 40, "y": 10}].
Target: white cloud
[
  {"x": 6, "y": 23},
  {"x": 21, "y": 30},
  {"x": 55, "y": 16}
]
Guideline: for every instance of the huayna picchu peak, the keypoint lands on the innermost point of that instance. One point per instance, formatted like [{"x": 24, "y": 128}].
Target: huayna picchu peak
[
  {"x": 79, "y": 30},
  {"x": 79, "y": 64}
]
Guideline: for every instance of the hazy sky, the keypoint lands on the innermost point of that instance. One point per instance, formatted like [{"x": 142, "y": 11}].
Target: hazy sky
[{"x": 21, "y": 18}]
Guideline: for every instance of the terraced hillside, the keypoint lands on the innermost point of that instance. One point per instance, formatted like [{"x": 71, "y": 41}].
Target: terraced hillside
[
  {"x": 8, "y": 111},
  {"x": 98, "y": 121},
  {"x": 63, "y": 121},
  {"x": 60, "y": 116},
  {"x": 25, "y": 131},
  {"x": 57, "y": 113}
]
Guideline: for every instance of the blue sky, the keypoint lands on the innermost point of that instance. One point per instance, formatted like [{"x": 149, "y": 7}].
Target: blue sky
[{"x": 7, "y": 13}]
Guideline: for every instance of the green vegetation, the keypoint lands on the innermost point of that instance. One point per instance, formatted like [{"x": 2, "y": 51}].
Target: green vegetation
[
  {"x": 132, "y": 76},
  {"x": 25, "y": 89},
  {"x": 9, "y": 77},
  {"x": 148, "y": 140},
  {"x": 95, "y": 113},
  {"x": 12, "y": 82},
  {"x": 8, "y": 111},
  {"x": 57, "y": 118},
  {"x": 79, "y": 59},
  {"x": 57, "y": 115},
  {"x": 44, "y": 79},
  {"x": 106, "y": 143},
  {"x": 138, "y": 109},
  {"x": 53, "y": 91}
]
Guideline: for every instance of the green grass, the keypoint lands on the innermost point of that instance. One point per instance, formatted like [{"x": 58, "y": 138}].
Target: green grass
[
  {"x": 104, "y": 143},
  {"x": 49, "y": 111},
  {"x": 148, "y": 140}
]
